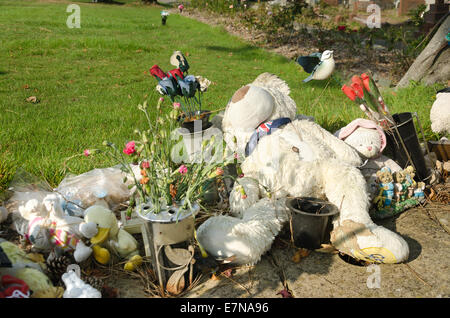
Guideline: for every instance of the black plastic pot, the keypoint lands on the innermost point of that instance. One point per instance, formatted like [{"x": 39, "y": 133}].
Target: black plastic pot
[
  {"x": 395, "y": 150},
  {"x": 310, "y": 220},
  {"x": 190, "y": 125}
]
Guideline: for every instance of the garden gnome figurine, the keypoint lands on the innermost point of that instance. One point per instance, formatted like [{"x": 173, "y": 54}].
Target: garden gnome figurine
[{"x": 319, "y": 65}]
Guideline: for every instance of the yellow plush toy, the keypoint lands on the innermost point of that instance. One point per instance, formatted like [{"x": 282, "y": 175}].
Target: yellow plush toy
[
  {"x": 23, "y": 267},
  {"x": 111, "y": 238}
]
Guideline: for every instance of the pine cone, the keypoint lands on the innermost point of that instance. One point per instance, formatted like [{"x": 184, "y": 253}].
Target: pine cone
[
  {"x": 94, "y": 281},
  {"x": 58, "y": 266}
]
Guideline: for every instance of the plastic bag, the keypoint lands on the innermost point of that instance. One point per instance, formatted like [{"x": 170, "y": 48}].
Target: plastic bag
[
  {"x": 28, "y": 194},
  {"x": 105, "y": 184}
]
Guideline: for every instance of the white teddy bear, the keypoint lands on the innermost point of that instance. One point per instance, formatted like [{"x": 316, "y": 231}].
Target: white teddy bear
[
  {"x": 369, "y": 140},
  {"x": 440, "y": 112},
  {"x": 299, "y": 159}
]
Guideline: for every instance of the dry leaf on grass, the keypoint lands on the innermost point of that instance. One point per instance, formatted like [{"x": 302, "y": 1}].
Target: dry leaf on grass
[{"x": 32, "y": 99}]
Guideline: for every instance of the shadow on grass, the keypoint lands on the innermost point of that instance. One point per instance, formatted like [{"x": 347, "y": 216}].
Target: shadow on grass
[
  {"x": 242, "y": 49},
  {"x": 247, "y": 50},
  {"x": 3, "y": 72},
  {"x": 106, "y": 2}
]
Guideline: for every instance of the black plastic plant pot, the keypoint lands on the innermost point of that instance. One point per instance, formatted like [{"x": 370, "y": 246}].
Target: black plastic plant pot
[
  {"x": 190, "y": 125},
  {"x": 310, "y": 220},
  {"x": 406, "y": 133}
]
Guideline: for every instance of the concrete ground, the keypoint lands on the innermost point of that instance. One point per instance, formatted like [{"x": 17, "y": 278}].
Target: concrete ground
[
  {"x": 426, "y": 274},
  {"x": 326, "y": 275}
]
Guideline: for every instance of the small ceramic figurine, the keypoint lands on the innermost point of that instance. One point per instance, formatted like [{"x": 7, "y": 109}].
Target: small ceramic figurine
[
  {"x": 400, "y": 185},
  {"x": 411, "y": 184},
  {"x": 386, "y": 186},
  {"x": 418, "y": 192}
]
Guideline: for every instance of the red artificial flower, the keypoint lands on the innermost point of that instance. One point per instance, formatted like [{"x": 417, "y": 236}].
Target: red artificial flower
[
  {"x": 129, "y": 148},
  {"x": 341, "y": 28},
  {"x": 357, "y": 79},
  {"x": 174, "y": 72},
  {"x": 358, "y": 90},
  {"x": 157, "y": 72},
  {"x": 366, "y": 81},
  {"x": 145, "y": 164},
  {"x": 349, "y": 92}
]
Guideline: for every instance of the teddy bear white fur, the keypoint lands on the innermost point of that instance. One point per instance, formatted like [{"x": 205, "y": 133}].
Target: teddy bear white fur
[
  {"x": 369, "y": 140},
  {"x": 440, "y": 113},
  {"x": 297, "y": 160}
]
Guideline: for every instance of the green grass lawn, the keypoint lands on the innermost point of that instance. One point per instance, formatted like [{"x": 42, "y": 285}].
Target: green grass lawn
[{"x": 90, "y": 80}]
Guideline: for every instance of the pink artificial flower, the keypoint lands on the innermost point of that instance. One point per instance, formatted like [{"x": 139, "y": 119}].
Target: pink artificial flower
[
  {"x": 183, "y": 169},
  {"x": 161, "y": 99},
  {"x": 236, "y": 156},
  {"x": 129, "y": 148},
  {"x": 176, "y": 105},
  {"x": 145, "y": 165},
  {"x": 231, "y": 6},
  {"x": 87, "y": 152}
]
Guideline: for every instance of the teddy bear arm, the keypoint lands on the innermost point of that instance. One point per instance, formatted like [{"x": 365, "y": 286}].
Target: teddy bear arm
[{"x": 343, "y": 151}]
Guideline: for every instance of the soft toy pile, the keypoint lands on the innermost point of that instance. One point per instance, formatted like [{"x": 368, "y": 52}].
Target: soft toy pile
[
  {"x": 298, "y": 159},
  {"x": 22, "y": 276},
  {"x": 60, "y": 229}
]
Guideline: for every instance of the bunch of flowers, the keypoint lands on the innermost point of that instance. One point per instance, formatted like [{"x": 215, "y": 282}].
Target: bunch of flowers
[
  {"x": 165, "y": 180},
  {"x": 180, "y": 87},
  {"x": 364, "y": 92}
]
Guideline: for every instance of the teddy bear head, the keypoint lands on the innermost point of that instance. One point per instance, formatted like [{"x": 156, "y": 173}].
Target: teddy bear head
[
  {"x": 400, "y": 176},
  {"x": 365, "y": 136},
  {"x": 385, "y": 176}
]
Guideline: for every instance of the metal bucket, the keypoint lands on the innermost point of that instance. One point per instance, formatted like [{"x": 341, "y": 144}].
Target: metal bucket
[{"x": 169, "y": 226}]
